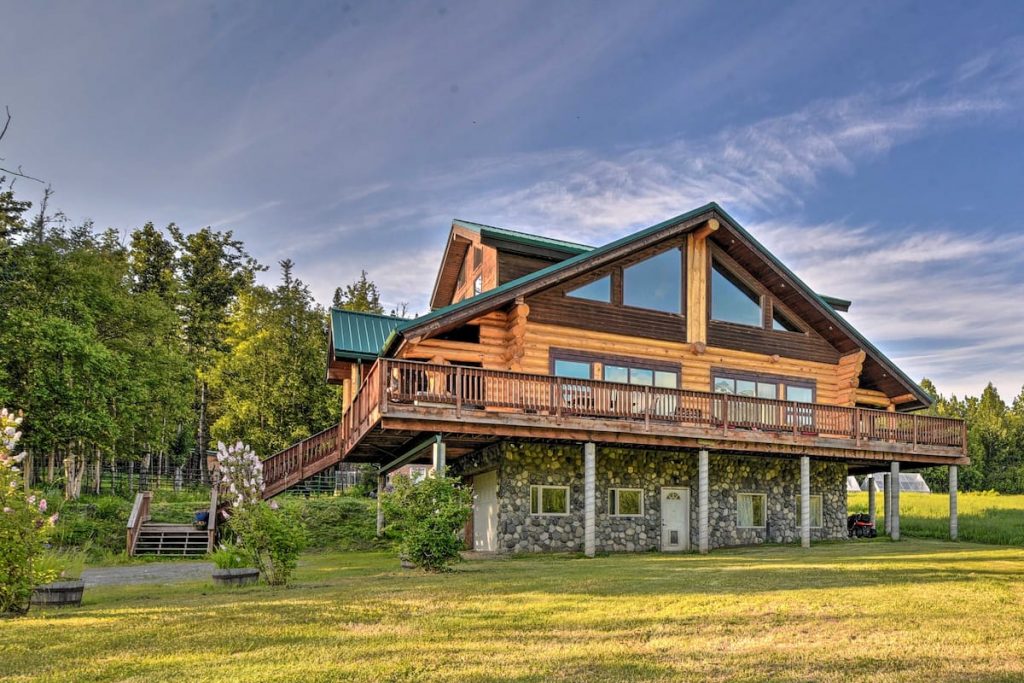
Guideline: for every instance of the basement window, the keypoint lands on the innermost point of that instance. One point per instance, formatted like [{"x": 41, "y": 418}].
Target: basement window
[
  {"x": 549, "y": 500},
  {"x": 625, "y": 502},
  {"x": 751, "y": 510},
  {"x": 816, "y": 512}
]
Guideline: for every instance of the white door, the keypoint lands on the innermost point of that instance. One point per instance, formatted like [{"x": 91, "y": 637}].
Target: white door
[
  {"x": 675, "y": 519},
  {"x": 485, "y": 511}
]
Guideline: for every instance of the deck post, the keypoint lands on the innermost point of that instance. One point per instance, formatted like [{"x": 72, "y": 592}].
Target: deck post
[
  {"x": 886, "y": 499},
  {"x": 381, "y": 481},
  {"x": 894, "y": 506},
  {"x": 805, "y": 501},
  {"x": 703, "y": 502},
  {"x": 872, "y": 512},
  {"x": 439, "y": 457},
  {"x": 589, "y": 498},
  {"x": 954, "y": 524}
]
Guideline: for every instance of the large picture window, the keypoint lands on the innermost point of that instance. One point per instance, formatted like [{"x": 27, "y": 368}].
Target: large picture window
[
  {"x": 549, "y": 500},
  {"x": 762, "y": 386},
  {"x": 598, "y": 290},
  {"x": 655, "y": 283},
  {"x": 751, "y": 510},
  {"x": 731, "y": 300}
]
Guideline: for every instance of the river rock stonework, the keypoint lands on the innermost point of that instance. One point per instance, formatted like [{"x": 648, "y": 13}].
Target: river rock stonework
[{"x": 522, "y": 465}]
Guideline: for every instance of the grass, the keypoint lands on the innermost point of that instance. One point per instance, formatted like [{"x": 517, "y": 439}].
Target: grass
[
  {"x": 983, "y": 517},
  {"x": 862, "y": 611}
]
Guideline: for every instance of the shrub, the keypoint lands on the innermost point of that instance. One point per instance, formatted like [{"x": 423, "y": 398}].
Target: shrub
[
  {"x": 53, "y": 565},
  {"x": 229, "y": 557},
  {"x": 427, "y": 517},
  {"x": 23, "y": 524},
  {"x": 270, "y": 540},
  {"x": 335, "y": 522}
]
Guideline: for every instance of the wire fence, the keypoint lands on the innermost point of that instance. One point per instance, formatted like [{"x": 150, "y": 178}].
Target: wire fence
[{"x": 128, "y": 478}]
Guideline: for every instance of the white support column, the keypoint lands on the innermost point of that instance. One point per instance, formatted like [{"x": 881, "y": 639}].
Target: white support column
[
  {"x": 894, "y": 506},
  {"x": 589, "y": 499},
  {"x": 872, "y": 511},
  {"x": 703, "y": 502},
  {"x": 439, "y": 456},
  {"x": 886, "y": 500},
  {"x": 954, "y": 524},
  {"x": 381, "y": 481},
  {"x": 805, "y": 501}
]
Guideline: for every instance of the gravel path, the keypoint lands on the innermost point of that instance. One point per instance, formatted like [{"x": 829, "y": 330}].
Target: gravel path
[{"x": 155, "y": 572}]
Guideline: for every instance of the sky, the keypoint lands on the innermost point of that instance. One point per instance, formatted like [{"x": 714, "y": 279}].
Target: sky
[{"x": 876, "y": 148}]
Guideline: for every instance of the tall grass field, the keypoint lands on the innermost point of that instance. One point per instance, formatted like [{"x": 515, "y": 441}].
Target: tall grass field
[{"x": 984, "y": 517}]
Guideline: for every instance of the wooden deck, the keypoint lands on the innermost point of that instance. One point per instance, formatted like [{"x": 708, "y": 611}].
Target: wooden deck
[{"x": 399, "y": 401}]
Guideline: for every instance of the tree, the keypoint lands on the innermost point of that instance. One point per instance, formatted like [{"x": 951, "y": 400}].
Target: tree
[
  {"x": 153, "y": 262},
  {"x": 271, "y": 376},
  {"x": 213, "y": 269},
  {"x": 362, "y": 295}
]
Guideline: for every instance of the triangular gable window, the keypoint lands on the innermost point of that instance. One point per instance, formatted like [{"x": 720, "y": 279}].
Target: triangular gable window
[
  {"x": 655, "y": 283},
  {"x": 598, "y": 290},
  {"x": 732, "y": 301},
  {"x": 780, "y": 323}
]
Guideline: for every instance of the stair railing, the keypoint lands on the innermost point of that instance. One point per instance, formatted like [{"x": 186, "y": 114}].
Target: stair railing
[
  {"x": 211, "y": 522},
  {"x": 138, "y": 517}
]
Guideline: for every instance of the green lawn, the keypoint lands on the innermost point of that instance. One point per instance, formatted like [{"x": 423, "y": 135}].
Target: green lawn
[
  {"x": 983, "y": 517},
  {"x": 870, "y": 611}
]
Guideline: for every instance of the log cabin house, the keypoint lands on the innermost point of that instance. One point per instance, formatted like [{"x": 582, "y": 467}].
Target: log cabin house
[{"x": 675, "y": 389}]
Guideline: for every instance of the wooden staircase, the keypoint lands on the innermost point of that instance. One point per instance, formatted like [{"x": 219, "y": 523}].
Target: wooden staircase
[
  {"x": 181, "y": 540},
  {"x": 302, "y": 460}
]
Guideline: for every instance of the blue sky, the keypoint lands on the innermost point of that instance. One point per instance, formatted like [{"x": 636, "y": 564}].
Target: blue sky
[{"x": 877, "y": 148}]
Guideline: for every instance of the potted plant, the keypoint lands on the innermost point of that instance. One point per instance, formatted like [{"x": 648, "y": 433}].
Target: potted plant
[
  {"x": 232, "y": 569},
  {"x": 59, "y": 574}
]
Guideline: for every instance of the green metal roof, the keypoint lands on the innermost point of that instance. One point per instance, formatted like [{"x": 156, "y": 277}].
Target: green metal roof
[
  {"x": 527, "y": 239},
  {"x": 360, "y": 336}
]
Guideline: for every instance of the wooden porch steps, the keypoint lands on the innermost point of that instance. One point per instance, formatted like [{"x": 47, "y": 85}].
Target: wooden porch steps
[{"x": 171, "y": 539}]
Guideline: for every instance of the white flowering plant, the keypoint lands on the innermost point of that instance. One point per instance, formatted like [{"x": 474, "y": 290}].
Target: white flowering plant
[
  {"x": 241, "y": 473},
  {"x": 24, "y": 525}
]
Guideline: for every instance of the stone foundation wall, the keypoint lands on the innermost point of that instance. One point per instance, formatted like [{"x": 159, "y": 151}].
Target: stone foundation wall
[{"x": 521, "y": 465}]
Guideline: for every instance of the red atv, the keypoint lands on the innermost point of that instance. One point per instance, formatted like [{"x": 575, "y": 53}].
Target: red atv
[{"x": 860, "y": 526}]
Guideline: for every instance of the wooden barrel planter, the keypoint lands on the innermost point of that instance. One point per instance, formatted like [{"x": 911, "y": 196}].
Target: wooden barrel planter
[
  {"x": 236, "y": 577},
  {"x": 59, "y": 594}
]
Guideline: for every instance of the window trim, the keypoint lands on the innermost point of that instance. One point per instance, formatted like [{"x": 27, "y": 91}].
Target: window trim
[
  {"x": 764, "y": 507},
  {"x": 613, "y": 511},
  {"x": 540, "y": 500},
  {"x": 821, "y": 509},
  {"x": 782, "y": 381}
]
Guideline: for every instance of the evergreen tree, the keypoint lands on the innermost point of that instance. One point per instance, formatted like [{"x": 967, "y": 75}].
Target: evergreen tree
[{"x": 362, "y": 295}]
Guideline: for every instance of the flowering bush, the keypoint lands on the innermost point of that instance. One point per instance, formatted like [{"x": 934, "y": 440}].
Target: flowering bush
[
  {"x": 241, "y": 472},
  {"x": 269, "y": 541},
  {"x": 23, "y": 525}
]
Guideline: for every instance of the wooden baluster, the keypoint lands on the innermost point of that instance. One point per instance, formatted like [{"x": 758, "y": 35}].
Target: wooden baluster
[
  {"x": 725, "y": 412},
  {"x": 458, "y": 391}
]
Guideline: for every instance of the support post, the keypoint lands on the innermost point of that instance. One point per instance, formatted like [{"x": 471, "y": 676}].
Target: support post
[
  {"x": 381, "y": 481},
  {"x": 589, "y": 498},
  {"x": 886, "y": 500},
  {"x": 439, "y": 457},
  {"x": 805, "y": 501},
  {"x": 703, "y": 502},
  {"x": 871, "y": 498},
  {"x": 894, "y": 506},
  {"x": 954, "y": 524}
]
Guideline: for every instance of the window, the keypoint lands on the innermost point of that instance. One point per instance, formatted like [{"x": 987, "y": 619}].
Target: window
[
  {"x": 625, "y": 502},
  {"x": 572, "y": 368},
  {"x": 549, "y": 500},
  {"x": 598, "y": 290},
  {"x": 478, "y": 257},
  {"x": 642, "y": 376},
  {"x": 655, "y": 283},
  {"x": 781, "y": 323},
  {"x": 478, "y": 284},
  {"x": 751, "y": 511},
  {"x": 762, "y": 386},
  {"x": 816, "y": 514},
  {"x": 731, "y": 300}
]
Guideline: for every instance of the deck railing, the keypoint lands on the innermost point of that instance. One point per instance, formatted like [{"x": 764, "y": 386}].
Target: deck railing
[
  {"x": 458, "y": 388},
  {"x": 464, "y": 388},
  {"x": 138, "y": 517}
]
